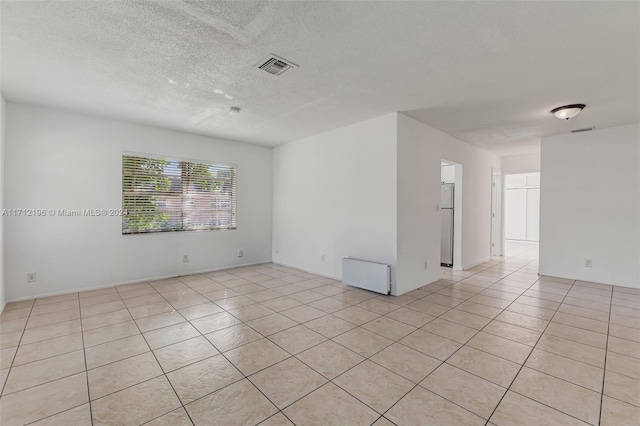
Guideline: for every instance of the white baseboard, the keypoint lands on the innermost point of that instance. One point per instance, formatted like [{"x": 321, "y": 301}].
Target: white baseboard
[
  {"x": 307, "y": 271},
  {"x": 473, "y": 265},
  {"x": 141, "y": 280}
]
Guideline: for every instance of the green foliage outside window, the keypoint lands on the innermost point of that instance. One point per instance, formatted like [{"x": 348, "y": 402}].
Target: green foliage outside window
[{"x": 161, "y": 195}]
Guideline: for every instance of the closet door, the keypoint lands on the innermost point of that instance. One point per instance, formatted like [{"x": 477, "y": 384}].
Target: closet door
[
  {"x": 533, "y": 214},
  {"x": 516, "y": 214}
]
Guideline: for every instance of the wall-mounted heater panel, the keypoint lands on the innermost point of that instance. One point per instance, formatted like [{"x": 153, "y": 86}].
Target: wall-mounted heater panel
[{"x": 372, "y": 276}]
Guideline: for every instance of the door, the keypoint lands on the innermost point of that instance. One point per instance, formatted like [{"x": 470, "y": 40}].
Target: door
[
  {"x": 496, "y": 214},
  {"x": 522, "y": 207},
  {"x": 533, "y": 214},
  {"x": 516, "y": 214}
]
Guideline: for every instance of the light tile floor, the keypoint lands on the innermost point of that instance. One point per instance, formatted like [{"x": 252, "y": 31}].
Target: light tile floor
[{"x": 273, "y": 345}]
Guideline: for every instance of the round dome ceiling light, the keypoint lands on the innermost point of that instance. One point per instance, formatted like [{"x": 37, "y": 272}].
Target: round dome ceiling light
[{"x": 568, "y": 111}]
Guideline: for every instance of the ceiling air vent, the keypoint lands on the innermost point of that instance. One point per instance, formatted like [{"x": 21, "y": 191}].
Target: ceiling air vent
[
  {"x": 586, "y": 129},
  {"x": 275, "y": 65}
]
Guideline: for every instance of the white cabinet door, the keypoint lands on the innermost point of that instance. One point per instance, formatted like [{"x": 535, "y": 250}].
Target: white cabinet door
[
  {"x": 533, "y": 214},
  {"x": 515, "y": 226}
]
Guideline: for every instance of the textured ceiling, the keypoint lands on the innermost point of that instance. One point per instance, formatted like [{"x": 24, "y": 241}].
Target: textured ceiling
[{"x": 485, "y": 72}]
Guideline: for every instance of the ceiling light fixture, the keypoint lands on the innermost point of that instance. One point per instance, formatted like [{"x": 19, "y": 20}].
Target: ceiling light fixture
[
  {"x": 568, "y": 111},
  {"x": 234, "y": 110}
]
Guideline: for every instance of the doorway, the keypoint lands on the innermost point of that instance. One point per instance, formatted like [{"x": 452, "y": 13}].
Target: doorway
[
  {"x": 450, "y": 208},
  {"x": 522, "y": 210},
  {"x": 497, "y": 228}
]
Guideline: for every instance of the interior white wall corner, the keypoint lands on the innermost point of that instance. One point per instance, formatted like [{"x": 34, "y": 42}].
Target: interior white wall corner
[
  {"x": 334, "y": 195},
  {"x": 370, "y": 191},
  {"x": 590, "y": 206},
  {"x": 420, "y": 151}
]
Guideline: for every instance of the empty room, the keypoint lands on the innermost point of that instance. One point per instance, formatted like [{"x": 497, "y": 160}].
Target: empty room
[{"x": 319, "y": 213}]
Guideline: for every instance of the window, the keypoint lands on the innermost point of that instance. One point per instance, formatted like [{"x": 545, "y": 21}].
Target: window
[{"x": 164, "y": 195}]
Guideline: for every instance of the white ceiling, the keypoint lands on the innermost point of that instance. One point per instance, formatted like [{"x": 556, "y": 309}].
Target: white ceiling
[{"x": 485, "y": 72}]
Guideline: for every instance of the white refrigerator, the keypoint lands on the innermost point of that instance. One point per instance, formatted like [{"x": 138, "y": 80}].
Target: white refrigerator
[{"x": 446, "y": 224}]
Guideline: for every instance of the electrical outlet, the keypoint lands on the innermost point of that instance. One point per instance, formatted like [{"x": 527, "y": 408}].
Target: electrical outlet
[
  {"x": 185, "y": 258},
  {"x": 240, "y": 253},
  {"x": 425, "y": 265},
  {"x": 588, "y": 263},
  {"x": 322, "y": 259},
  {"x": 31, "y": 277}
]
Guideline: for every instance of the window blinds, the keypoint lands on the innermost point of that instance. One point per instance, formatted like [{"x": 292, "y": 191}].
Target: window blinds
[{"x": 161, "y": 195}]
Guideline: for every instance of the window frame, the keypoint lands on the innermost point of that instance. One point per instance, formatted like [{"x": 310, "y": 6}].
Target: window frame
[{"x": 184, "y": 197}]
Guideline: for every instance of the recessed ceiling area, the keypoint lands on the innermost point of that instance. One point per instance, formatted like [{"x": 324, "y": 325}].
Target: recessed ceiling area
[{"x": 488, "y": 73}]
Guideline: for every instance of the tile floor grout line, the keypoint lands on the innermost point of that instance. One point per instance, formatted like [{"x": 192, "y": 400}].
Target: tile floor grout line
[
  {"x": 63, "y": 302},
  {"x": 52, "y": 415},
  {"x": 604, "y": 368},
  {"x": 356, "y": 304},
  {"x": 117, "y": 291},
  {"x": 550, "y": 407},
  {"x": 480, "y": 330},
  {"x": 576, "y": 341},
  {"x": 560, "y": 378},
  {"x": 269, "y": 399},
  {"x": 13, "y": 359},
  {"x": 59, "y": 378},
  {"x": 525, "y": 361},
  {"x": 258, "y": 371},
  {"x": 358, "y": 399},
  {"x": 86, "y": 370},
  {"x": 356, "y": 326},
  {"x": 328, "y": 380},
  {"x": 245, "y": 323},
  {"x": 44, "y": 383},
  {"x": 244, "y": 376},
  {"x": 444, "y": 362},
  {"x": 428, "y": 390},
  {"x": 279, "y": 312},
  {"x": 494, "y": 319},
  {"x": 311, "y": 367},
  {"x": 164, "y": 373}
]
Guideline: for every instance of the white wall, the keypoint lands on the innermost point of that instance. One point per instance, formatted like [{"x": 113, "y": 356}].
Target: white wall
[
  {"x": 356, "y": 168},
  {"x": 590, "y": 206},
  {"x": 521, "y": 163},
  {"x": 420, "y": 151},
  {"x": 61, "y": 160},
  {"x": 334, "y": 194},
  {"x": 3, "y": 108}
]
